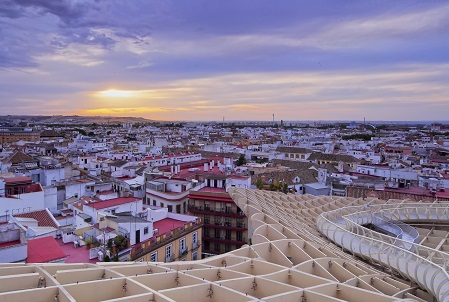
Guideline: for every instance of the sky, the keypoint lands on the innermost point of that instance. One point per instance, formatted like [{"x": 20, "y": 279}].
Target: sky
[{"x": 238, "y": 60}]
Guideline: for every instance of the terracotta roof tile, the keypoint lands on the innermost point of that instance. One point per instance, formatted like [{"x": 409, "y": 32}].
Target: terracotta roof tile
[
  {"x": 43, "y": 217},
  {"x": 18, "y": 157}
]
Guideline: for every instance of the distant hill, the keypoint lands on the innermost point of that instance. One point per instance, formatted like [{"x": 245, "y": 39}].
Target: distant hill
[{"x": 75, "y": 119}]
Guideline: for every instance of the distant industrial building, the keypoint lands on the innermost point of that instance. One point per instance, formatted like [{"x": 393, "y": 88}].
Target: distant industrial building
[{"x": 15, "y": 134}]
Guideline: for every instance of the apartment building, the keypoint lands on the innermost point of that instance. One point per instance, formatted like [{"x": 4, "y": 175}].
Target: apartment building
[
  {"x": 225, "y": 225},
  {"x": 175, "y": 238},
  {"x": 19, "y": 194},
  {"x": 294, "y": 153},
  {"x": 169, "y": 193}
]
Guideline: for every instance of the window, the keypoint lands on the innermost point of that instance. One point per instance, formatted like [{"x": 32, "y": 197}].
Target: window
[
  {"x": 178, "y": 208},
  {"x": 195, "y": 256},
  {"x": 207, "y": 207},
  {"x": 206, "y": 219},
  {"x": 206, "y": 232},
  {"x": 217, "y": 233},
  {"x": 145, "y": 230},
  {"x": 240, "y": 223},
  {"x": 168, "y": 253},
  {"x": 170, "y": 208},
  {"x": 217, "y": 247},
  {"x": 239, "y": 236},
  {"x": 154, "y": 202},
  {"x": 194, "y": 240},
  {"x": 182, "y": 245},
  {"x": 153, "y": 257}
]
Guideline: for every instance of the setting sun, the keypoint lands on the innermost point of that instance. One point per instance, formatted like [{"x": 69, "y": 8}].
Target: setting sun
[{"x": 118, "y": 93}]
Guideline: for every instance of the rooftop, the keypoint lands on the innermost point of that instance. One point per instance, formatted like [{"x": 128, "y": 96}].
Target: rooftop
[
  {"x": 17, "y": 180},
  {"x": 75, "y": 255},
  {"x": 288, "y": 260},
  {"x": 44, "y": 218},
  {"x": 112, "y": 202},
  {"x": 167, "y": 224},
  {"x": 43, "y": 250}
]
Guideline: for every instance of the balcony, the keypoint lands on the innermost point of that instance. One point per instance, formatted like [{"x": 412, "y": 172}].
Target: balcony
[
  {"x": 225, "y": 226},
  {"x": 222, "y": 239},
  {"x": 155, "y": 242},
  {"x": 167, "y": 195},
  {"x": 183, "y": 251},
  {"x": 209, "y": 211},
  {"x": 170, "y": 258},
  {"x": 195, "y": 245}
]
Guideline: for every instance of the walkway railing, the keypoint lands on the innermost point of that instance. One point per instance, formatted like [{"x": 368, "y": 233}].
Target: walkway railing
[{"x": 423, "y": 265}]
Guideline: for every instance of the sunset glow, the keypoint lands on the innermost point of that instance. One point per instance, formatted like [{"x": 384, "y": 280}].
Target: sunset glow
[
  {"x": 171, "y": 60},
  {"x": 113, "y": 93}
]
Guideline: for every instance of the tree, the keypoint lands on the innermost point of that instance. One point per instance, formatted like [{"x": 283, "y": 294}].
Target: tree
[
  {"x": 120, "y": 243},
  {"x": 259, "y": 184},
  {"x": 241, "y": 161},
  {"x": 81, "y": 131}
]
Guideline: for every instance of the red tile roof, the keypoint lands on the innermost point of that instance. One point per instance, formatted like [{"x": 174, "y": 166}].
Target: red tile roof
[
  {"x": 18, "y": 179},
  {"x": 9, "y": 243},
  {"x": 43, "y": 250},
  {"x": 211, "y": 195},
  {"x": 43, "y": 217},
  {"x": 105, "y": 192},
  {"x": 106, "y": 229},
  {"x": 167, "y": 224},
  {"x": 33, "y": 188},
  {"x": 18, "y": 157},
  {"x": 111, "y": 202}
]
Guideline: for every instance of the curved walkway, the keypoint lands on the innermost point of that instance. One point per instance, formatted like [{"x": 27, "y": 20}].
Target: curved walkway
[{"x": 423, "y": 265}]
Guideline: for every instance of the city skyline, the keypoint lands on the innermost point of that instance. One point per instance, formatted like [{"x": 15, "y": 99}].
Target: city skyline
[{"x": 197, "y": 60}]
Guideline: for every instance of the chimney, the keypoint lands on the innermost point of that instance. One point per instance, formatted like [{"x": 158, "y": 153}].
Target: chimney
[{"x": 206, "y": 167}]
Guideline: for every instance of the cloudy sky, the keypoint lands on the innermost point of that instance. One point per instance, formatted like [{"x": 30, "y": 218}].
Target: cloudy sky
[{"x": 242, "y": 60}]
